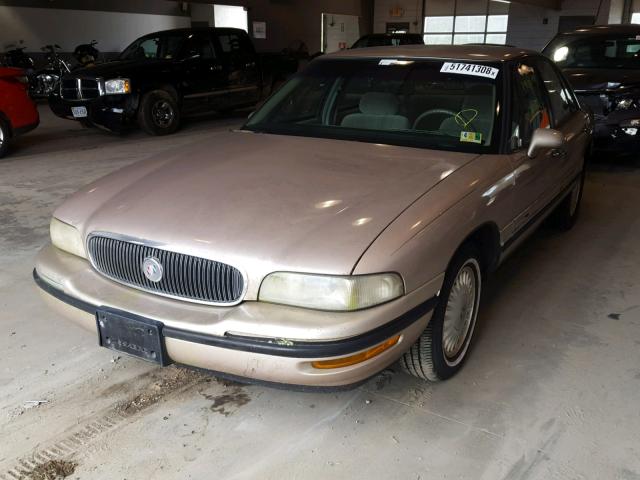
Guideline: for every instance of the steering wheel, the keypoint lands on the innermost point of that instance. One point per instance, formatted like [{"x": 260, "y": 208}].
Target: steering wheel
[
  {"x": 444, "y": 111},
  {"x": 433, "y": 111}
]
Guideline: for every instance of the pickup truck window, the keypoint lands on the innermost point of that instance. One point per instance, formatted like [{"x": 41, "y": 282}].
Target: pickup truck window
[
  {"x": 199, "y": 45},
  {"x": 156, "y": 47},
  {"x": 424, "y": 103}
]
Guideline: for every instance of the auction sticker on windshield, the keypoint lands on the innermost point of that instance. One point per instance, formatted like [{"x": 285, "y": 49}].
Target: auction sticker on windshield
[{"x": 470, "y": 69}]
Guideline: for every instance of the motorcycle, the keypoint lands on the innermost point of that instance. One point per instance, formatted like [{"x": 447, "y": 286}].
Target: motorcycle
[
  {"x": 14, "y": 56},
  {"x": 86, "y": 54},
  {"x": 45, "y": 81}
]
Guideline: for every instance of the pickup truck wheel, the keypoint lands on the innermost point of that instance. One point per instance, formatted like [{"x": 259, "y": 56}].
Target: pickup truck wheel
[
  {"x": 566, "y": 213},
  {"x": 442, "y": 348},
  {"x": 4, "y": 138},
  {"x": 159, "y": 113}
]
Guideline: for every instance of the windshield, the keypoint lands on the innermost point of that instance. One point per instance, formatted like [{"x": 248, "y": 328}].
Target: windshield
[
  {"x": 422, "y": 103},
  {"x": 595, "y": 52},
  {"x": 154, "y": 47}
]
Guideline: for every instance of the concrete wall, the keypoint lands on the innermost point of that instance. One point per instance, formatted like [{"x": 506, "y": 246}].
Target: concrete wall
[
  {"x": 114, "y": 30},
  {"x": 115, "y": 23},
  {"x": 290, "y": 22},
  {"x": 412, "y": 13},
  {"x": 527, "y": 27}
]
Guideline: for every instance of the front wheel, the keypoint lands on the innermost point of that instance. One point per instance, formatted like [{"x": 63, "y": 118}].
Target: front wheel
[
  {"x": 159, "y": 113},
  {"x": 4, "y": 138},
  {"x": 442, "y": 348}
]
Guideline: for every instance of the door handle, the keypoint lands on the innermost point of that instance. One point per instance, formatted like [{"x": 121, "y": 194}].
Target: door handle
[{"x": 558, "y": 153}]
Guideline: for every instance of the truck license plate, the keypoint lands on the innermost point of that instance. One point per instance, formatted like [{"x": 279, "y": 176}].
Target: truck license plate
[{"x": 79, "y": 112}]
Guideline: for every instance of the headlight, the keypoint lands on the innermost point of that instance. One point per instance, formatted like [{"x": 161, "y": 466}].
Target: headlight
[
  {"x": 117, "y": 86},
  {"x": 335, "y": 293},
  {"x": 560, "y": 55},
  {"x": 67, "y": 238}
]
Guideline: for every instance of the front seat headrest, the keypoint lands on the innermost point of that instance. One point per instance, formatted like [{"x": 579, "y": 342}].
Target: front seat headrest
[{"x": 379, "y": 103}]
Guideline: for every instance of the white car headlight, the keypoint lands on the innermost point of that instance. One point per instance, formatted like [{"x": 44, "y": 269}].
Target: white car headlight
[
  {"x": 334, "y": 293},
  {"x": 117, "y": 86},
  {"x": 67, "y": 238}
]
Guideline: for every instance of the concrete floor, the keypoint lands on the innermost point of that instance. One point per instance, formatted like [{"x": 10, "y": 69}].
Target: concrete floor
[{"x": 551, "y": 391}]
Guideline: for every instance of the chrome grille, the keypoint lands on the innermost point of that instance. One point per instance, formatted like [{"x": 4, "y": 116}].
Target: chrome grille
[
  {"x": 184, "y": 276},
  {"x": 79, "y": 88}
]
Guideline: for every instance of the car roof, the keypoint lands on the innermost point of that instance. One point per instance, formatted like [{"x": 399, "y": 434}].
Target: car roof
[
  {"x": 602, "y": 30},
  {"x": 476, "y": 53}
]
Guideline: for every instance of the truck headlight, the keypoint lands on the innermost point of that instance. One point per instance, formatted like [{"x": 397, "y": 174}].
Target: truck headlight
[
  {"x": 333, "y": 293},
  {"x": 117, "y": 86},
  {"x": 67, "y": 238}
]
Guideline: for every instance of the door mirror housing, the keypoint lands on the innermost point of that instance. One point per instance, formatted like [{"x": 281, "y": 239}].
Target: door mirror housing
[{"x": 544, "y": 138}]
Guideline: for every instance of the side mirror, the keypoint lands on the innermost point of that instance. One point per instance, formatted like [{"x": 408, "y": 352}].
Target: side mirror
[{"x": 544, "y": 138}]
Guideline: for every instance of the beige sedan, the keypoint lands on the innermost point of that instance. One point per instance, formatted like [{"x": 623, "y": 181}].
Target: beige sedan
[{"x": 350, "y": 223}]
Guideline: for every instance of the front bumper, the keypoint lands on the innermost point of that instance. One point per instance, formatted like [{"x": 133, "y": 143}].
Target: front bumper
[
  {"x": 253, "y": 340},
  {"x": 113, "y": 112}
]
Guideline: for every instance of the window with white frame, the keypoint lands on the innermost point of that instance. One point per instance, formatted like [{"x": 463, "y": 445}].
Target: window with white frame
[{"x": 460, "y": 29}]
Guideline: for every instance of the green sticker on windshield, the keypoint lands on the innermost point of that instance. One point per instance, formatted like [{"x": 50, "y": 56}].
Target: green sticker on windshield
[{"x": 472, "y": 137}]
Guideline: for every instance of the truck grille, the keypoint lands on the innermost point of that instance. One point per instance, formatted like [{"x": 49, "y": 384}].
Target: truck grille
[
  {"x": 79, "y": 88},
  {"x": 183, "y": 276}
]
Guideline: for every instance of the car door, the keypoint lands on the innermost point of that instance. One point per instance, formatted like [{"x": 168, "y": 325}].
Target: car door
[
  {"x": 239, "y": 62},
  {"x": 570, "y": 120},
  {"x": 202, "y": 72},
  {"x": 531, "y": 176}
]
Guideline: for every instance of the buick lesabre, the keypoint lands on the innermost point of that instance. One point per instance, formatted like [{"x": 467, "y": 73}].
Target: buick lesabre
[{"x": 349, "y": 224}]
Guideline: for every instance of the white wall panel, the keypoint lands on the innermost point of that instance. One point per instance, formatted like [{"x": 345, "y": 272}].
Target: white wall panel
[{"x": 68, "y": 28}]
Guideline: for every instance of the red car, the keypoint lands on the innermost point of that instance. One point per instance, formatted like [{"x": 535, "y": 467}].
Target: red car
[{"x": 18, "y": 113}]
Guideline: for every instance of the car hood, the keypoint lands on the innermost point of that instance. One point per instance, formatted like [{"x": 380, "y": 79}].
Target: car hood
[
  {"x": 263, "y": 202},
  {"x": 600, "y": 79}
]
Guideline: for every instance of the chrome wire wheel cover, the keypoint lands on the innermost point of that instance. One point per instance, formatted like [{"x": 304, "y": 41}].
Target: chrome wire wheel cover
[
  {"x": 162, "y": 113},
  {"x": 461, "y": 312}
]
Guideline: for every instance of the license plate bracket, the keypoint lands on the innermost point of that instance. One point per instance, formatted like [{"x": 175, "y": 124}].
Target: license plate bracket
[
  {"x": 131, "y": 334},
  {"x": 79, "y": 112}
]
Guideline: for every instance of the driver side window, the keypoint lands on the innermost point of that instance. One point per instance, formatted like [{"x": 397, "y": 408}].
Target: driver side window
[{"x": 530, "y": 110}]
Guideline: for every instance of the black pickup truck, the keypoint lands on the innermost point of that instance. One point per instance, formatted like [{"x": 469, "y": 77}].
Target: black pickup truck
[{"x": 164, "y": 76}]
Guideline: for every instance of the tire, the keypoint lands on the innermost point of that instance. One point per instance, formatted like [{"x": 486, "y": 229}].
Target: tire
[
  {"x": 5, "y": 137},
  {"x": 159, "y": 113},
  {"x": 431, "y": 358},
  {"x": 566, "y": 213}
]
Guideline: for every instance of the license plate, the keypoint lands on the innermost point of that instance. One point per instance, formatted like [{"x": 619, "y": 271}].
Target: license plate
[
  {"x": 133, "y": 335},
  {"x": 79, "y": 112}
]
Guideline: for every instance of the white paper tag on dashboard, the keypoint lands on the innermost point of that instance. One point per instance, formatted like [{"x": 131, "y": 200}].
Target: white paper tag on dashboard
[{"x": 470, "y": 69}]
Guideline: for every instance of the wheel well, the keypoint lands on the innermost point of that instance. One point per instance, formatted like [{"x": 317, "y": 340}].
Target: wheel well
[
  {"x": 166, "y": 87},
  {"x": 5, "y": 120},
  {"x": 487, "y": 239}
]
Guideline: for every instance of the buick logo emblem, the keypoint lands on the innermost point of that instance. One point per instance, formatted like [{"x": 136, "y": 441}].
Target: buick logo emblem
[{"x": 152, "y": 269}]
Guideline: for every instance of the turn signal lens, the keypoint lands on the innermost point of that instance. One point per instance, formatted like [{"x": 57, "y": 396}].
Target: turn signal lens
[{"x": 358, "y": 357}]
